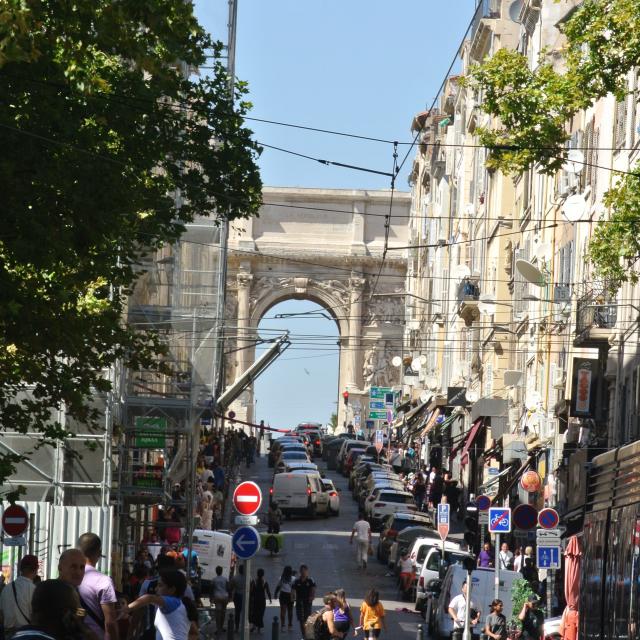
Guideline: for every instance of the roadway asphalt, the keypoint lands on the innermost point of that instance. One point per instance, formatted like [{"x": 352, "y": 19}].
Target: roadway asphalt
[{"x": 323, "y": 544}]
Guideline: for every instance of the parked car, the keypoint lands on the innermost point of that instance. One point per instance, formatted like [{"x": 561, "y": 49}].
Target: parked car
[
  {"x": 397, "y": 522},
  {"x": 352, "y": 458},
  {"x": 315, "y": 442},
  {"x": 334, "y": 496},
  {"x": 331, "y": 451},
  {"x": 347, "y": 445},
  {"x": 300, "y": 493},
  {"x": 392, "y": 549},
  {"x": 552, "y": 627},
  {"x": 387, "y": 502},
  {"x": 299, "y": 466}
]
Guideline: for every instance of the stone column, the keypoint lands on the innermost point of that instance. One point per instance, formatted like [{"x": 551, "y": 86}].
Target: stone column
[
  {"x": 356, "y": 307},
  {"x": 244, "y": 280}
]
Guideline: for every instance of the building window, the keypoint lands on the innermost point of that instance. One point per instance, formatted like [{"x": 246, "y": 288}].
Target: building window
[{"x": 620, "y": 130}]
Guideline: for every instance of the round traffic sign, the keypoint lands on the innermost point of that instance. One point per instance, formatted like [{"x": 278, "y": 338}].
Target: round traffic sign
[
  {"x": 247, "y": 498},
  {"x": 245, "y": 542},
  {"x": 548, "y": 518},
  {"x": 15, "y": 520},
  {"x": 483, "y": 503},
  {"x": 525, "y": 516}
]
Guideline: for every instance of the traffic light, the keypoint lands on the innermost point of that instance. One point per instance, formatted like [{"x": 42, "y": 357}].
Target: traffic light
[
  {"x": 472, "y": 528},
  {"x": 345, "y": 397}
]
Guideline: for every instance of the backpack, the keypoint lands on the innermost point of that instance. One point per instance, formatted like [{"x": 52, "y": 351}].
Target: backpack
[{"x": 315, "y": 628}]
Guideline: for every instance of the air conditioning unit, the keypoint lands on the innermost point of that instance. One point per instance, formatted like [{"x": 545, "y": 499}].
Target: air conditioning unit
[{"x": 559, "y": 379}]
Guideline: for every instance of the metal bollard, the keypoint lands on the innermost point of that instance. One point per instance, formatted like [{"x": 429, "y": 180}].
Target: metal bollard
[
  {"x": 420, "y": 633},
  {"x": 275, "y": 629},
  {"x": 230, "y": 626}
]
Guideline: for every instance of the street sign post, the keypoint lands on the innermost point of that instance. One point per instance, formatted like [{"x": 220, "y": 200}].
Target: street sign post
[
  {"x": 443, "y": 521},
  {"x": 381, "y": 414},
  {"x": 15, "y": 520},
  {"x": 499, "y": 520},
  {"x": 376, "y": 404},
  {"x": 548, "y": 518},
  {"x": 247, "y": 498},
  {"x": 246, "y": 520},
  {"x": 548, "y": 538},
  {"x": 17, "y": 541},
  {"x": 378, "y": 440},
  {"x": 245, "y": 544},
  {"x": 548, "y": 557},
  {"x": 379, "y": 393}
]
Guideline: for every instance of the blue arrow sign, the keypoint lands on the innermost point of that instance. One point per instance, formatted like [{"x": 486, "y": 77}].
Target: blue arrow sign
[
  {"x": 548, "y": 557},
  {"x": 245, "y": 542},
  {"x": 499, "y": 520}
]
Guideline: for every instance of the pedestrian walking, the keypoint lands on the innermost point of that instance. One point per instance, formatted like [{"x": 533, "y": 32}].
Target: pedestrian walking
[
  {"x": 258, "y": 593},
  {"x": 15, "y": 599},
  {"x": 485, "y": 557},
  {"x": 274, "y": 518},
  {"x": 532, "y": 619},
  {"x": 419, "y": 490},
  {"x": 517, "y": 559},
  {"x": 342, "y": 618},
  {"x": 285, "y": 595},
  {"x": 71, "y": 564},
  {"x": 304, "y": 589},
  {"x": 495, "y": 625},
  {"x": 506, "y": 557},
  {"x": 458, "y": 611},
  {"x": 220, "y": 590},
  {"x": 97, "y": 593},
  {"x": 362, "y": 532},
  {"x": 372, "y": 615},
  {"x": 176, "y": 616},
  {"x": 237, "y": 593},
  {"x": 54, "y": 614}
]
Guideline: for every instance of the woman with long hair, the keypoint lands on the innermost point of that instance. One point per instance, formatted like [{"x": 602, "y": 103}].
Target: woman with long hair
[
  {"x": 258, "y": 593},
  {"x": 176, "y": 616},
  {"x": 342, "y": 618},
  {"x": 495, "y": 625},
  {"x": 55, "y": 614},
  {"x": 372, "y": 616},
  {"x": 285, "y": 595}
]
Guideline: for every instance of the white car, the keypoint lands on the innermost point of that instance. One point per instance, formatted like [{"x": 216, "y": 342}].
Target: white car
[
  {"x": 390, "y": 501},
  {"x": 334, "y": 496},
  {"x": 302, "y": 467},
  {"x": 300, "y": 493},
  {"x": 288, "y": 457}
]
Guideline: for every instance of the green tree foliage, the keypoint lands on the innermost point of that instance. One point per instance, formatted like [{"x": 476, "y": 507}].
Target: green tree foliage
[
  {"x": 520, "y": 592},
  {"x": 100, "y": 130},
  {"x": 532, "y": 109}
]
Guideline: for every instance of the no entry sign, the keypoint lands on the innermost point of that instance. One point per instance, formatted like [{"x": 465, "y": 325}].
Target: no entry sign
[
  {"x": 15, "y": 520},
  {"x": 247, "y": 498}
]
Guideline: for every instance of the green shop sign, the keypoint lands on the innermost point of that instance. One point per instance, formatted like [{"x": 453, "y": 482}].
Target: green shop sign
[{"x": 151, "y": 432}]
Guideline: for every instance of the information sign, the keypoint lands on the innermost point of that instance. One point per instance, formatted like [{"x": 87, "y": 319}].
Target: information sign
[
  {"x": 378, "y": 440},
  {"x": 548, "y": 537},
  {"x": 379, "y": 393},
  {"x": 499, "y": 520},
  {"x": 150, "y": 432},
  {"x": 376, "y": 404},
  {"x": 548, "y": 557},
  {"x": 443, "y": 520},
  {"x": 378, "y": 415}
]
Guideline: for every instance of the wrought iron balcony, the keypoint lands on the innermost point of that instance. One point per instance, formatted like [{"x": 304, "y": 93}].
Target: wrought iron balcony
[
  {"x": 595, "y": 319},
  {"x": 468, "y": 299}
]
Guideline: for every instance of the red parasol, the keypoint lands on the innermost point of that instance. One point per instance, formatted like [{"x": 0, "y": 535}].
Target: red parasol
[{"x": 573, "y": 555}]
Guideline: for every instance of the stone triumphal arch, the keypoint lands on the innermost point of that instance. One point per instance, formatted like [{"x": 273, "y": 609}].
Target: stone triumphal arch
[{"x": 323, "y": 245}]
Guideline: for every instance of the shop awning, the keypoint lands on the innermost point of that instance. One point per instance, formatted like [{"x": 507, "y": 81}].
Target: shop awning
[
  {"x": 247, "y": 378},
  {"x": 431, "y": 421},
  {"x": 466, "y": 441},
  {"x": 500, "y": 496}
]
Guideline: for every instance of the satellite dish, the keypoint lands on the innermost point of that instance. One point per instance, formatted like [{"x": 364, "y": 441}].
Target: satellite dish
[
  {"x": 530, "y": 272},
  {"x": 543, "y": 252},
  {"x": 461, "y": 271},
  {"x": 423, "y": 359},
  {"x": 424, "y": 397},
  {"x": 472, "y": 396},
  {"x": 514, "y": 10},
  {"x": 574, "y": 207},
  {"x": 415, "y": 364},
  {"x": 575, "y": 161},
  {"x": 396, "y": 361}
]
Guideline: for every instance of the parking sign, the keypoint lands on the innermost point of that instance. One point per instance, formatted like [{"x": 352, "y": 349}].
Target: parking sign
[{"x": 499, "y": 520}]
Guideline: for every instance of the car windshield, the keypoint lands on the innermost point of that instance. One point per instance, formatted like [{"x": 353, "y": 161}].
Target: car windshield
[
  {"x": 450, "y": 557},
  {"x": 294, "y": 455},
  {"x": 396, "y": 497},
  {"x": 402, "y": 523}
]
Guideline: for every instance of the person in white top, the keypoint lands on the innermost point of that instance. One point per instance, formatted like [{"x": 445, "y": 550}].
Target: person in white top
[
  {"x": 15, "y": 599},
  {"x": 506, "y": 557},
  {"x": 362, "y": 532},
  {"x": 176, "y": 616},
  {"x": 458, "y": 612},
  {"x": 407, "y": 574}
]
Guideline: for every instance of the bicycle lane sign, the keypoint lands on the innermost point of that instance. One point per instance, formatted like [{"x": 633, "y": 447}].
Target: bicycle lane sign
[{"x": 499, "y": 520}]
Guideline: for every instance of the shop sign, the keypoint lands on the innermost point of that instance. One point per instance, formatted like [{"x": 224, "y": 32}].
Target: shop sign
[
  {"x": 584, "y": 387},
  {"x": 456, "y": 396},
  {"x": 150, "y": 432}
]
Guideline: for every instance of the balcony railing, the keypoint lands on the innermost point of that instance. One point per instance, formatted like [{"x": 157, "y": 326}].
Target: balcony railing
[
  {"x": 487, "y": 9},
  {"x": 595, "y": 318}
]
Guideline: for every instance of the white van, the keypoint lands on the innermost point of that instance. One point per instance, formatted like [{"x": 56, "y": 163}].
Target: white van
[
  {"x": 422, "y": 545},
  {"x": 482, "y": 594},
  {"x": 213, "y": 549},
  {"x": 428, "y": 565},
  {"x": 300, "y": 493}
]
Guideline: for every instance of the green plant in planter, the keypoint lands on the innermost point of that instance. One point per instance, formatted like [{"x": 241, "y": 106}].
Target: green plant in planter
[{"x": 520, "y": 591}]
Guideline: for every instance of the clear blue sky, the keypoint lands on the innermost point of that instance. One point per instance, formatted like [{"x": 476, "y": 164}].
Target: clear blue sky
[{"x": 357, "y": 66}]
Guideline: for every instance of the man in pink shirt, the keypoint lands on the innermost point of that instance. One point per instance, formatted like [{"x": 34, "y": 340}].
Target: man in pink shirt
[{"x": 97, "y": 593}]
